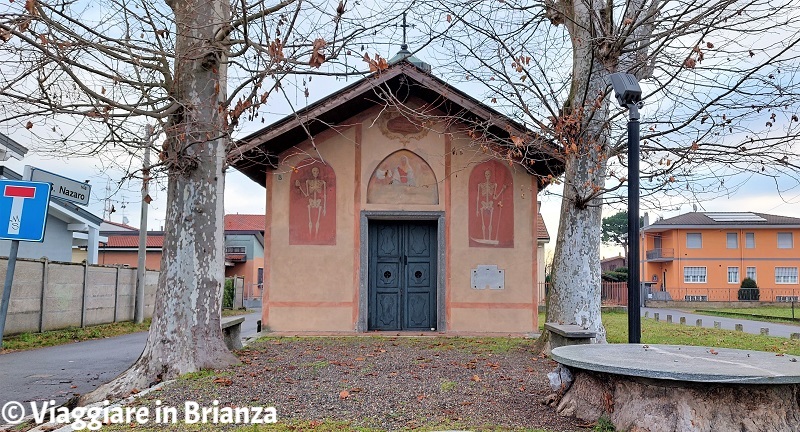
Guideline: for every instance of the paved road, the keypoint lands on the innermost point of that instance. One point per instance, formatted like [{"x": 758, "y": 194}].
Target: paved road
[
  {"x": 59, "y": 372},
  {"x": 754, "y": 327}
]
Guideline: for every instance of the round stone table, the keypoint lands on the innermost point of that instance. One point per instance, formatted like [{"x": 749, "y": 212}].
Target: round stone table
[{"x": 656, "y": 388}]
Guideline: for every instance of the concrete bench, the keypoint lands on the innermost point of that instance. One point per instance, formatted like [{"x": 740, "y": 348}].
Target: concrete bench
[
  {"x": 232, "y": 333},
  {"x": 568, "y": 334}
]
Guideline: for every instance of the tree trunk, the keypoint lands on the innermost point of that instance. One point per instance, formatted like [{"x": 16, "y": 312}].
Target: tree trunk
[
  {"x": 638, "y": 405},
  {"x": 185, "y": 334},
  {"x": 575, "y": 296}
]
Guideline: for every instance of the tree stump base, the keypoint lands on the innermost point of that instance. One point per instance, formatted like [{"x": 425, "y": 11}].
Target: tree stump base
[
  {"x": 639, "y": 404},
  {"x": 748, "y": 390}
]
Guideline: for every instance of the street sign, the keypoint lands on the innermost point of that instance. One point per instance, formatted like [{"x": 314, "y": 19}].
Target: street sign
[
  {"x": 64, "y": 188},
  {"x": 23, "y": 210}
]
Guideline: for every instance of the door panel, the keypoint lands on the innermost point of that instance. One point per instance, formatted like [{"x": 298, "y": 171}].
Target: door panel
[{"x": 402, "y": 282}]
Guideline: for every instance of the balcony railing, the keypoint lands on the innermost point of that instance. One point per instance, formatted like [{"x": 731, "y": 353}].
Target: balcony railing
[{"x": 661, "y": 254}]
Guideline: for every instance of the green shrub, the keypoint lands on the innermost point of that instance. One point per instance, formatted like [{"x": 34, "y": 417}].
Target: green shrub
[
  {"x": 749, "y": 283},
  {"x": 228, "y": 294},
  {"x": 749, "y": 290}
]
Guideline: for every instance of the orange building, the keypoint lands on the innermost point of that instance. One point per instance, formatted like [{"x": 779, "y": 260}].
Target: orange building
[{"x": 705, "y": 256}]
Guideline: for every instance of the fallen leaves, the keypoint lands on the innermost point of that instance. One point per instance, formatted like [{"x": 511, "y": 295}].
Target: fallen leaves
[{"x": 223, "y": 381}]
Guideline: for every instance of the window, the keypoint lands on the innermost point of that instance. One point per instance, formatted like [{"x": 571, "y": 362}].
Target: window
[
  {"x": 235, "y": 250},
  {"x": 694, "y": 240},
  {"x": 732, "y": 240},
  {"x": 751, "y": 273},
  {"x": 695, "y": 298},
  {"x": 749, "y": 240},
  {"x": 785, "y": 275},
  {"x": 733, "y": 275},
  {"x": 260, "y": 277},
  {"x": 786, "y": 299},
  {"x": 785, "y": 240},
  {"x": 694, "y": 274}
]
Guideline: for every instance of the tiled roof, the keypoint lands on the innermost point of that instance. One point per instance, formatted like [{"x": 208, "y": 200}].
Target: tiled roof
[
  {"x": 542, "y": 233},
  {"x": 121, "y": 225},
  {"x": 245, "y": 222},
  {"x": 616, "y": 258},
  {"x": 154, "y": 240},
  {"x": 700, "y": 218}
]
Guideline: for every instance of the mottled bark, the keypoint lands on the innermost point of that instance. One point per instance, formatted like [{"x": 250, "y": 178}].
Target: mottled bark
[
  {"x": 186, "y": 334},
  {"x": 582, "y": 127},
  {"x": 638, "y": 405}
]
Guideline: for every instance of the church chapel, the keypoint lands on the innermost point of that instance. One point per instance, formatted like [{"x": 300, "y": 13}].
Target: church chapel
[{"x": 400, "y": 203}]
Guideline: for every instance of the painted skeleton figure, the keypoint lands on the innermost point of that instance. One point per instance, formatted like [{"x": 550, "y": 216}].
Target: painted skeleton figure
[
  {"x": 315, "y": 191},
  {"x": 485, "y": 204}
]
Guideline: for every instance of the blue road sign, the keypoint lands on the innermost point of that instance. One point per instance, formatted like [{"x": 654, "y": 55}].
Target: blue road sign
[{"x": 23, "y": 210}]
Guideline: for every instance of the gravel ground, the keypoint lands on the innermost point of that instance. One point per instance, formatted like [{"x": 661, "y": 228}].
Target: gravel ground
[{"x": 385, "y": 383}]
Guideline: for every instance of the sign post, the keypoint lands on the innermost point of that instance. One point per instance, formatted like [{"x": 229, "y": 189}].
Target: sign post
[
  {"x": 24, "y": 205},
  {"x": 64, "y": 188}
]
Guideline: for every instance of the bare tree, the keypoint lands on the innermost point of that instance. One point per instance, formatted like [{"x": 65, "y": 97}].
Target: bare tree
[
  {"x": 86, "y": 76},
  {"x": 720, "y": 104}
]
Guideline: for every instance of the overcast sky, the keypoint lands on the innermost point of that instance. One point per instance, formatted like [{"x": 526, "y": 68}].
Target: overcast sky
[{"x": 245, "y": 196}]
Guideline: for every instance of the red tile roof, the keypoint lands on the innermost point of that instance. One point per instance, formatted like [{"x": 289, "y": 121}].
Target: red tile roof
[
  {"x": 132, "y": 241},
  {"x": 245, "y": 222},
  {"x": 541, "y": 229}
]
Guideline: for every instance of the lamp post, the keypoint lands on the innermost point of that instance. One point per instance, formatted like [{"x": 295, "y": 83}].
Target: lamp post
[{"x": 629, "y": 95}]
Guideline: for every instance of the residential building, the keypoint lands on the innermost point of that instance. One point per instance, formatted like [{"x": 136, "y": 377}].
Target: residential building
[
  {"x": 244, "y": 253},
  {"x": 244, "y": 250},
  {"x": 611, "y": 264},
  {"x": 704, "y": 256}
]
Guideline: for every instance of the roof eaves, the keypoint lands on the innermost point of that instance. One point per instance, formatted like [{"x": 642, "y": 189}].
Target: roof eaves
[
  {"x": 655, "y": 227},
  {"x": 357, "y": 93}
]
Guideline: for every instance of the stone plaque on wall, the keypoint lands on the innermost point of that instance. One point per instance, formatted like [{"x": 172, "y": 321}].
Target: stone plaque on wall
[{"x": 488, "y": 277}]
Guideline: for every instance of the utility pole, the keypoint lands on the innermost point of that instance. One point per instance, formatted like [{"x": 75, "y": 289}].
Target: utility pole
[{"x": 141, "y": 272}]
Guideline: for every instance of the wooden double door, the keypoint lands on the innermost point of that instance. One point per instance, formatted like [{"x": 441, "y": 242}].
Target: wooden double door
[{"x": 402, "y": 275}]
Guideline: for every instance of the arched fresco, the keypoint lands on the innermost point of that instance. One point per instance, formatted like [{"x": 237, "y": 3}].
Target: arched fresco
[
  {"x": 491, "y": 205},
  {"x": 312, "y": 204},
  {"x": 403, "y": 178}
]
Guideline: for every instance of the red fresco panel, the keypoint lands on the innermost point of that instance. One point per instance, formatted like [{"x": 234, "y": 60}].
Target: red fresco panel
[
  {"x": 491, "y": 205},
  {"x": 312, "y": 204}
]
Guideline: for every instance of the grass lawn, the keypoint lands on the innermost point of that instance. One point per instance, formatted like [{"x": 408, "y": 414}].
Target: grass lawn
[
  {"x": 777, "y": 314},
  {"x": 235, "y": 312},
  {"x": 27, "y": 341},
  {"x": 660, "y": 332}
]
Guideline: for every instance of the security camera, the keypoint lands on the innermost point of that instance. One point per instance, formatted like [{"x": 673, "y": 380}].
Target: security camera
[{"x": 626, "y": 88}]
